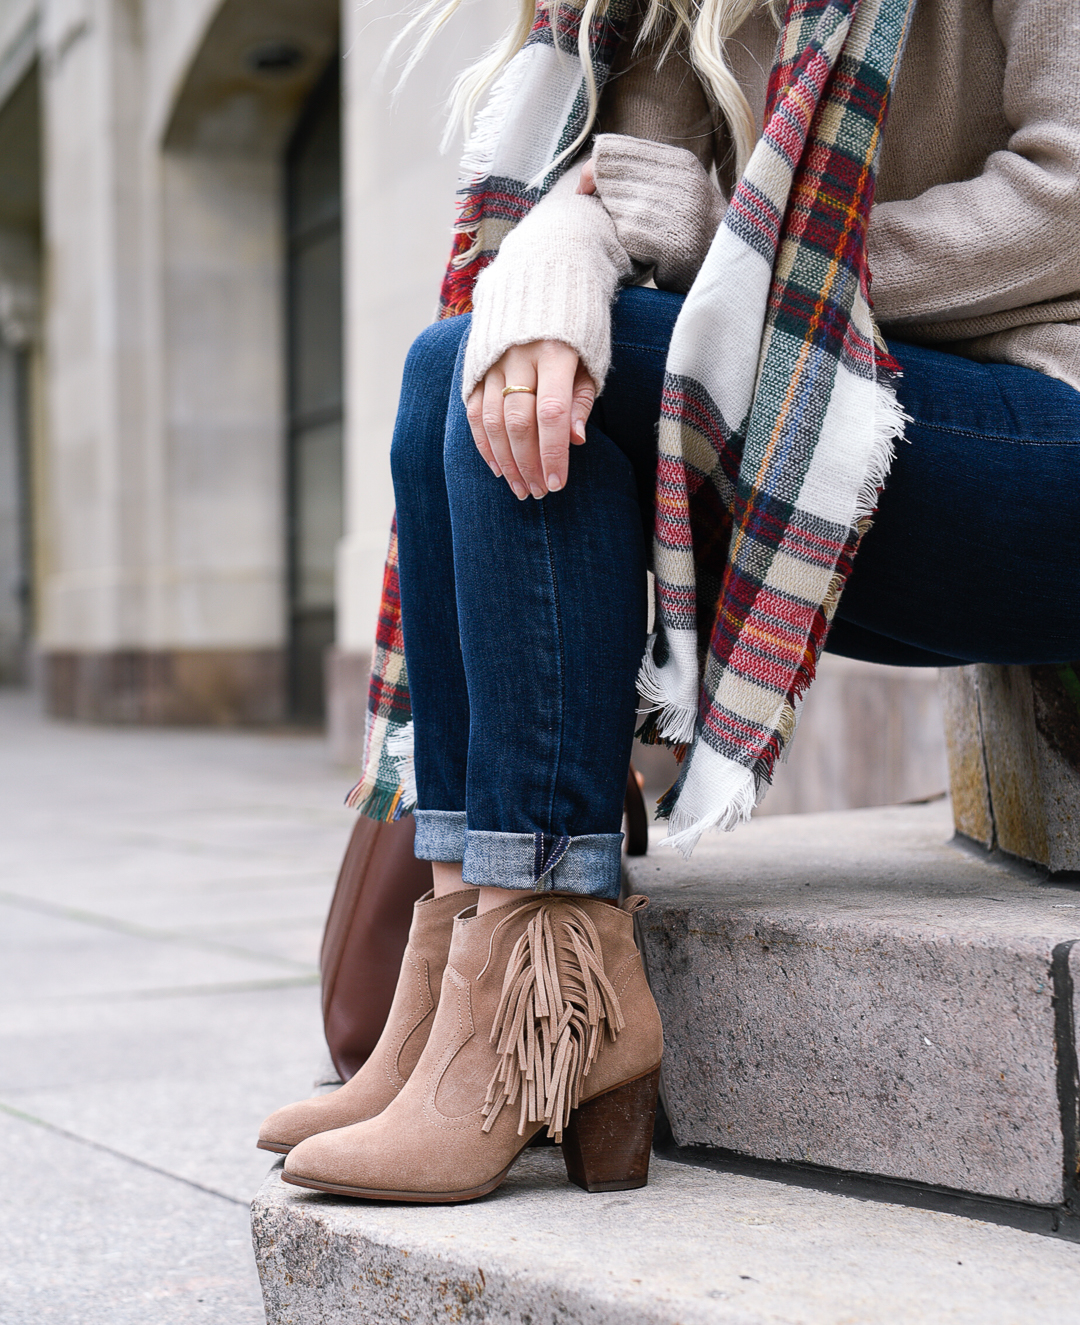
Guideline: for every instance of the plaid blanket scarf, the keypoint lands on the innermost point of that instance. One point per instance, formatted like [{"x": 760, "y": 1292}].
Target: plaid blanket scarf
[{"x": 778, "y": 417}]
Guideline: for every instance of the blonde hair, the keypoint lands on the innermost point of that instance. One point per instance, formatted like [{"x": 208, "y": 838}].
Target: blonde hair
[{"x": 702, "y": 26}]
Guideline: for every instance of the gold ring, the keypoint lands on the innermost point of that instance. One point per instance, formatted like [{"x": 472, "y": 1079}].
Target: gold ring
[{"x": 517, "y": 390}]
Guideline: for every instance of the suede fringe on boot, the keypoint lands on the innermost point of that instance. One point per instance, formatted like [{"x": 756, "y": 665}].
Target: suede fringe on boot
[{"x": 549, "y": 1026}]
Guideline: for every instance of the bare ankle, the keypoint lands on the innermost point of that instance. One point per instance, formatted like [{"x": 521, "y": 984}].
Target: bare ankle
[
  {"x": 490, "y": 898},
  {"x": 446, "y": 876}
]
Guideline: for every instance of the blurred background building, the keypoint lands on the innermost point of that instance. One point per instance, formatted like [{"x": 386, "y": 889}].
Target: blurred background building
[
  {"x": 209, "y": 222},
  {"x": 217, "y": 240}
]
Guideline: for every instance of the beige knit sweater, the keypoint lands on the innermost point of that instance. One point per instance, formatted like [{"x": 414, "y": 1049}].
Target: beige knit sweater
[{"x": 974, "y": 240}]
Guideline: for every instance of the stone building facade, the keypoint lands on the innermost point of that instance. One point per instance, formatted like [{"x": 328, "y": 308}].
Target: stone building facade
[{"x": 210, "y": 220}]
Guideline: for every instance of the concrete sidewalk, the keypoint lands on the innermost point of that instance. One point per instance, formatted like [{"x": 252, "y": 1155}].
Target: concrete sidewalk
[{"x": 162, "y": 895}]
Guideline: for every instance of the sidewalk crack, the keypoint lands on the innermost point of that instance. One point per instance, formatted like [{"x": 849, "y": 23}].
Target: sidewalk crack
[
  {"x": 116, "y": 1154},
  {"x": 61, "y": 912}
]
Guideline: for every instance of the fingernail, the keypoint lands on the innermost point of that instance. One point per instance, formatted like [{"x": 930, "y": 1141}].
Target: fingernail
[
  {"x": 554, "y": 483},
  {"x": 495, "y": 468},
  {"x": 579, "y": 428},
  {"x": 537, "y": 491},
  {"x": 520, "y": 491}
]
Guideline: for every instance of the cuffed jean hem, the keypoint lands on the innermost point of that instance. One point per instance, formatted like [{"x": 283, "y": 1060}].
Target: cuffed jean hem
[
  {"x": 440, "y": 835},
  {"x": 590, "y": 865}
]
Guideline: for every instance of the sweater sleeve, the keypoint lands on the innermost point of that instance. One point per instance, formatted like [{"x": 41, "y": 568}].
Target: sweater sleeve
[
  {"x": 554, "y": 278},
  {"x": 557, "y": 272},
  {"x": 665, "y": 205},
  {"x": 659, "y": 138},
  {"x": 1009, "y": 237}
]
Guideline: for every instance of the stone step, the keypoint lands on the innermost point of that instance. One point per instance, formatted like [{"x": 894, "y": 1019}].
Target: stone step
[
  {"x": 856, "y": 992},
  {"x": 695, "y": 1247},
  {"x": 852, "y": 1003}
]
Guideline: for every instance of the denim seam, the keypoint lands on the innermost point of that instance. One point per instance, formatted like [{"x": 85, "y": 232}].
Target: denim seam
[
  {"x": 562, "y": 671},
  {"x": 643, "y": 349},
  {"x": 991, "y": 436}
]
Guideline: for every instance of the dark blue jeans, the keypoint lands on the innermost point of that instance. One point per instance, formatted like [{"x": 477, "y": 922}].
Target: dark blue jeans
[{"x": 525, "y": 621}]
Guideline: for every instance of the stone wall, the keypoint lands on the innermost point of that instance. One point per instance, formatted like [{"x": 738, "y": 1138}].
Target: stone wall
[
  {"x": 867, "y": 735},
  {"x": 1014, "y": 760}
]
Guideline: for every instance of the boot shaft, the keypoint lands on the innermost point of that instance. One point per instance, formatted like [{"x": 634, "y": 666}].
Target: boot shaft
[{"x": 553, "y": 983}]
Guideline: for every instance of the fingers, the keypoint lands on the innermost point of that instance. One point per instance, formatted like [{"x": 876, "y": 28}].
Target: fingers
[
  {"x": 485, "y": 414},
  {"x": 474, "y": 411},
  {"x": 557, "y": 366},
  {"x": 525, "y": 436},
  {"x": 520, "y": 365},
  {"x": 494, "y": 419},
  {"x": 584, "y": 397},
  {"x": 587, "y": 178}
]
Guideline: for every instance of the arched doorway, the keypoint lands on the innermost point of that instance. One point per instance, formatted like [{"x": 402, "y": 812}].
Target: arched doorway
[{"x": 315, "y": 388}]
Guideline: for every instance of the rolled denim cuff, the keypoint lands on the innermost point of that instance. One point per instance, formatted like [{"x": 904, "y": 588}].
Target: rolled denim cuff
[
  {"x": 440, "y": 835},
  {"x": 590, "y": 865}
]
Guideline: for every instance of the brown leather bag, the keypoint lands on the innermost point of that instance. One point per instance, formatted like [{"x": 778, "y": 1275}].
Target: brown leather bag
[
  {"x": 368, "y": 927},
  {"x": 365, "y": 936}
]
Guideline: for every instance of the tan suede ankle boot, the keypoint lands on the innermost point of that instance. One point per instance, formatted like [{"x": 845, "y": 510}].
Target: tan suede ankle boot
[
  {"x": 544, "y": 1017},
  {"x": 401, "y": 1043}
]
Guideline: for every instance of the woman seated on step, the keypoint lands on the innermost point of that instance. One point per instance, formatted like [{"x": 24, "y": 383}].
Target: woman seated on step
[{"x": 898, "y": 481}]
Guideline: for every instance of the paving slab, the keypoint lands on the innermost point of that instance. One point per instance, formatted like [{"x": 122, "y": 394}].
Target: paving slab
[
  {"x": 854, "y": 991},
  {"x": 693, "y": 1248},
  {"x": 179, "y": 1082},
  {"x": 92, "y": 1239},
  {"x": 94, "y": 954},
  {"x": 162, "y": 896}
]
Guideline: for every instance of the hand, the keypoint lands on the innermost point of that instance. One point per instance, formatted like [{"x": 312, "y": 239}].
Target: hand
[
  {"x": 526, "y": 438},
  {"x": 665, "y": 207}
]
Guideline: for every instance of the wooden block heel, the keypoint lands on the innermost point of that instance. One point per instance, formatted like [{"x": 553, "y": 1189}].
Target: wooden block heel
[{"x": 608, "y": 1140}]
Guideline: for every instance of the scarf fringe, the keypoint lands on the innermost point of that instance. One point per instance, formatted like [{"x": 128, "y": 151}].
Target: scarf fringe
[
  {"x": 796, "y": 718},
  {"x": 890, "y": 420},
  {"x": 549, "y": 1027},
  {"x": 400, "y": 744},
  {"x": 684, "y": 828},
  {"x": 479, "y": 151},
  {"x": 376, "y": 802},
  {"x": 672, "y": 720}
]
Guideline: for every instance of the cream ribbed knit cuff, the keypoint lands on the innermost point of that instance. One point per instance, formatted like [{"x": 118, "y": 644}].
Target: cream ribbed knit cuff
[
  {"x": 665, "y": 206},
  {"x": 554, "y": 278}
]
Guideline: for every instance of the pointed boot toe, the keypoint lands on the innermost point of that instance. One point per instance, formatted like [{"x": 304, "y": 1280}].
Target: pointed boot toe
[
  {"x": 288, "y": 1126},
  {"x": 317, "y": 1159},
  {"x": 412, "y": 1015},
  {"x": 544, "y": 1019}
]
